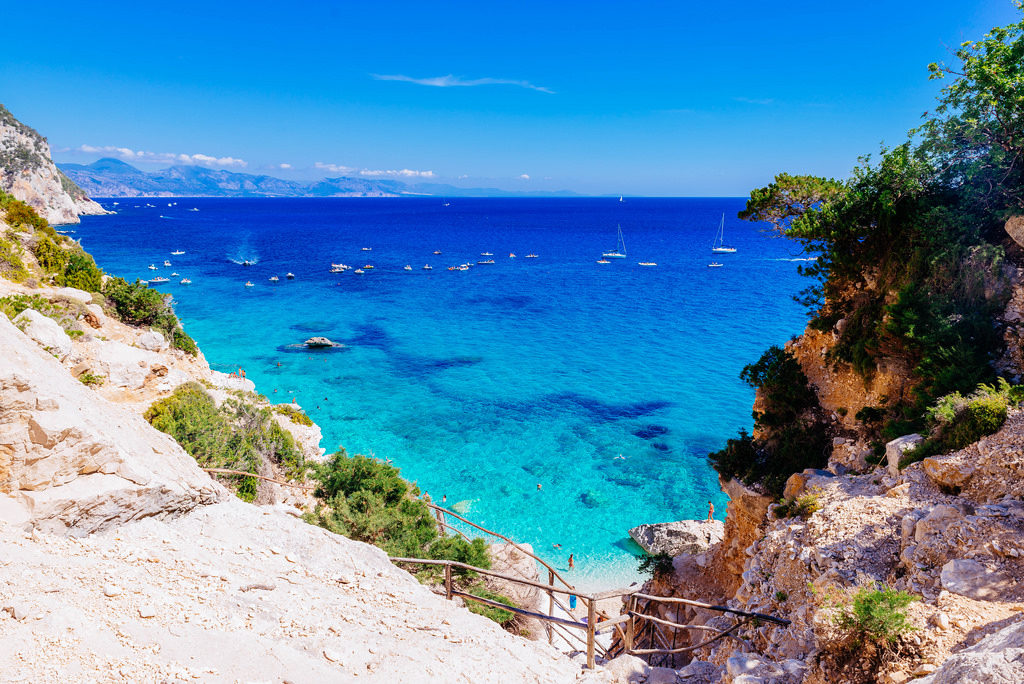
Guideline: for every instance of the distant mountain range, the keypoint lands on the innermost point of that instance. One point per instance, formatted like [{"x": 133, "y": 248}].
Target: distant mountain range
[{"x": 109, "y": 177}]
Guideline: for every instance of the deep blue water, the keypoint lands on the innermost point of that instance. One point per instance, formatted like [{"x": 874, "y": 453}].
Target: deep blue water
[{"x": 607, "y": 384}]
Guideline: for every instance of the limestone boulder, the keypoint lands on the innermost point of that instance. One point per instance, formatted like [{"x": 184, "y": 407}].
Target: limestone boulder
[
  {"x": 950, "y": 472},
  {"x": 972, "y": 579},
  {"x": 1015, "y": 229},
  {"x": 124, "y": 366},
  {"x": 800, "y": 483},
  {"x": 996, "y": 659},
  {"x": 74, "y": 294},
  {"x": 73, "y": 463},
  {"x": 152, "y": 341},
  {"x": 308, "y": 437},
  {"x": 45, "y": 332},
  {"x": 674, "y": 538},
  {"x": 894, "y": 450},
  {"x": 231, "y": 382}
]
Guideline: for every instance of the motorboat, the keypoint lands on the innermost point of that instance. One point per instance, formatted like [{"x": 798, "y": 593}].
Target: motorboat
[
  {"x": 248, "y": 283},
  {"x": 368, "y": 267},
  {"x": 437, "y": 251},
  {"x": 158, "y": 280},
  {"x": 511, "y": 255},
  {"x": 367, "y": 249},
  {"x": 646, "y": 263},
  {"x": 177, "y": 252},
  {"x": 290, "y": 276},
  {"x": 359, "y": 271},
  {"x": 531, "y": 256},
  {"x": 489, "y": 261},
  {"x": 152, "y": 267},
  {"x": 274, "y": 279},
  {"x": 407, "y": 267},
  {"x": 428, "y": 267},
  {"x": 714, "y": 264},
  {"x": 186, "y": 281},
  {"x": 248, "y": 263},
  {"x": 603, "y": 261},
  {"x": 167, "y": 263},
  {"x": 486, "y": 254},
  {"x": 173, "y": 274}
]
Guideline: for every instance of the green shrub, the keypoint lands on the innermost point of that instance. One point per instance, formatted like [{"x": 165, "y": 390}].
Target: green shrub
[
  {"x": 81, "y": 272},
  {"x": 294, "y": 414},
  {"x": 501, "y": 616},
  {"x": 656, "y": 566},
  {"x": 18, "y": 214},
  {"x": 792, "y": 432},
  {"x": 802, "y": 506},
  {"x": 12, "y": 305},
  {"x": 137, "y": 304},
  {"x": 91, "y": 380},
  {"x": 875, "y": 616},
  {"x": 11, "y": 265},
  {"x": 781, "y": 596},
  {"x": 235, "y": 435}
]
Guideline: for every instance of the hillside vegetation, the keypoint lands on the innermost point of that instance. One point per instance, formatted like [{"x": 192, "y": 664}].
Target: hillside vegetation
[{"x": 911, "y": 261}]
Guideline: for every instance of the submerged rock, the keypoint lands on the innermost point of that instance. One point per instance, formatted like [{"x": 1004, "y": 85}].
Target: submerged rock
[{"x": 674, "y": 538}]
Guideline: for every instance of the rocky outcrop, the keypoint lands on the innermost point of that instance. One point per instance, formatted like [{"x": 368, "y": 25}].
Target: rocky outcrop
[
  {"x": 674, "y": 538},
  {"x": 28, "y": 173},
  {"x": 45, "y": 332},
  {"x": 72, "y": 462},
  {"x": 745, "y": 516},
  {"x": 996, "y": 659}
]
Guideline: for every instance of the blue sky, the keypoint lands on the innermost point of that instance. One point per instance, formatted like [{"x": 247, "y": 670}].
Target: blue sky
[{"x": 646, "y": 98}]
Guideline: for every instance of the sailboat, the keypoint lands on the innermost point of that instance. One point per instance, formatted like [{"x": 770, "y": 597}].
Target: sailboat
[
  {"x": 620, "y": 199},
  {"x": 719, "y": 246},
  {"x": 620, "y": 249}
]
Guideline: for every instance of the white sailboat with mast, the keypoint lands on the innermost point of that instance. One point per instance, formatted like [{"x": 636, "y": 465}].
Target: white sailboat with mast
[
  {"x": 620, "y": 248},
  {"x": 719, "y": 246}
]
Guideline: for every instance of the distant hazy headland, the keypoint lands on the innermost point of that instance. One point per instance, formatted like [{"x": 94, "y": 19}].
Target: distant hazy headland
[{"x": 109, "y": 177}]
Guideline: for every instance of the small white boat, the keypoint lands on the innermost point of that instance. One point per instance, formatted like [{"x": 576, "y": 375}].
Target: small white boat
[
  {"x": 646, "y": 263},
  {"x": 486, "y": 254},
  {"x": 511, "y": 255},
  {"x": 186, "y": 281},
  {"x": 152, "y": 267},
  {"x": 339, "y": 268},
  {"x": 447, "y": 204},
  {"x": 719, "y": 246},
  {"x": 489, "y": 261},
  {"x": 368, "y": 267},
  {"x": 531, "y": 256},
  {"x": 359, "y": 271},
  {"x": 620, "y": 249},
  {"x": 620, "y": 199},
  {"x": 193, "y": 209},
  {"x": 714, "y": 264},
  {"x": 437, "y": 251},
  {"x": 248, "y": 283},
  {"x": 428, "y": 267},
  {"x": 167, "y": 263},
  {"x": 173, "y": 274},
  {"x": 169, "y": 204},
  {"x": 407, "y": 267},
  {"x": 177, "y": 252},
  {"x": 290, "y": 276},
  {"x": 158, "y": 280},
  {"x": 603, "y": 261},
  {"x": 367, "y": 249},
  {"x": 274, "y": 279}
]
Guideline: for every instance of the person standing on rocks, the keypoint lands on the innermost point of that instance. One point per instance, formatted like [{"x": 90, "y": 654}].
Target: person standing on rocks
[{"x": 711, "y": 511}]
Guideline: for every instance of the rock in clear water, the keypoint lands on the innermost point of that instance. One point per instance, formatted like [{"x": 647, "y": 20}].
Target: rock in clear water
[{"x": 674, "y": 538}]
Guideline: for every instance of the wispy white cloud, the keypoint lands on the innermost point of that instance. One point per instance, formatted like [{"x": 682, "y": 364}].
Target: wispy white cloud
[
  {"x": 754, "y": 100},
  {"x": 284, "y": 165},
  {"x": 400, "y": 173},
  {"x": 145, "y": 156},
  {"x": 452, "y": 81},
  {"x": 523, "y": 177},
  {"x": 333, "y": 168}
]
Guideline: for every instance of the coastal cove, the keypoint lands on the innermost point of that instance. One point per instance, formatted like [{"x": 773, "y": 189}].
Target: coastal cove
[{"x": 606, "y": 384}]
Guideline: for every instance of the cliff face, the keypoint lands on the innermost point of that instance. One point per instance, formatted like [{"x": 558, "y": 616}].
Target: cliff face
[{"x": 28, "y": 173}]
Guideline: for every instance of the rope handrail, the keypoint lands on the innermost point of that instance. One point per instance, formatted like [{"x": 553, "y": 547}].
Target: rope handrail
[
  {"x": 708, "y": 606},
  {"x": 492, "y": 573},
  {"x": 503, "y": 537}
]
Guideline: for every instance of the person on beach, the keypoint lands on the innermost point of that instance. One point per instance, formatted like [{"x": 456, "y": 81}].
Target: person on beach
[
  {"x": 571, "y": 563},
  {"x": 711, "y": 511}
]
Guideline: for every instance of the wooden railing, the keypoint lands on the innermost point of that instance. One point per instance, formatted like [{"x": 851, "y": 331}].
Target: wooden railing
[{"x": 627, "y": 625}]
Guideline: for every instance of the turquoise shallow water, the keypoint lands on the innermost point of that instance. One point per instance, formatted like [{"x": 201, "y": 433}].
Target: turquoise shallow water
[{"x": 607, "y": 384}]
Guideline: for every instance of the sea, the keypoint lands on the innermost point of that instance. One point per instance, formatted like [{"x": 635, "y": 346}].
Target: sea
[{"x": 556, "y": 400}]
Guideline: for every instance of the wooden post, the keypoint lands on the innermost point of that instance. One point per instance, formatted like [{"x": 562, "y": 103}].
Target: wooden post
[
  {"x": 551, "y": 607},
  {"x": 448, "y": 581},
  {"x": 591, "y": 624},
  {"x": 628, "y": 639}
]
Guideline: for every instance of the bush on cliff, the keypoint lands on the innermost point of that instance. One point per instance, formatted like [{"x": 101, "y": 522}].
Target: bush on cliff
[
  {"x": 365, "y": 499},
  {"x": 910, "y": 257},
  {"x": 137, "y": 304},
  {"x": 791, "y": 433},
  {"x": 235, "y": 435}
]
